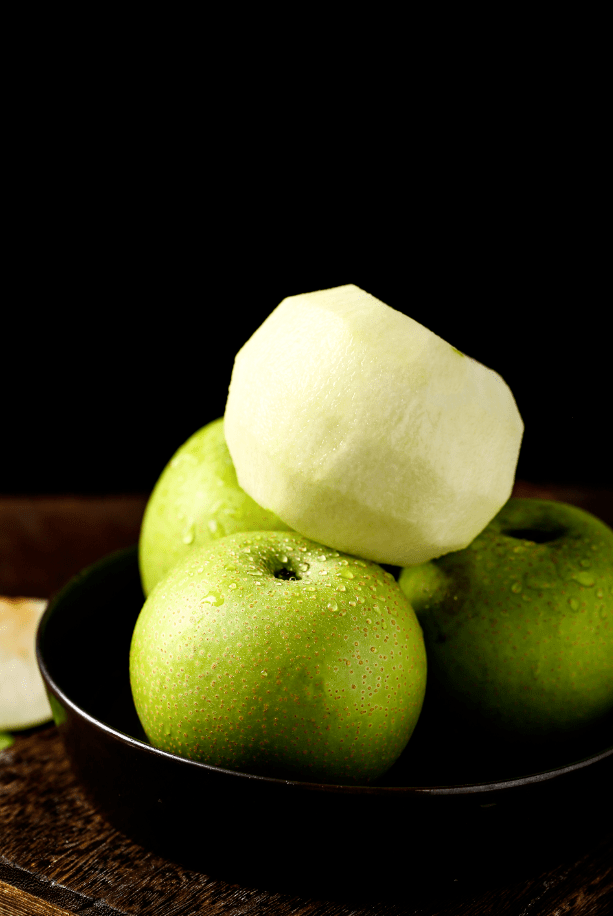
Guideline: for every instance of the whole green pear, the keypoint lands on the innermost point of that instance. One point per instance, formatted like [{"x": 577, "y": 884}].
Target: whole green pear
[
  {"x": 196, "y": 500},
  {"x": 270, "y": 654},
  {"x": 519, "y": 625}
]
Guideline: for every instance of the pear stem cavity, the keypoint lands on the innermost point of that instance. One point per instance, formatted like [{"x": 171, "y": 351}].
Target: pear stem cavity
[
  {"x": 285, "y": 573},
  {"x": 536, "y": 535}
]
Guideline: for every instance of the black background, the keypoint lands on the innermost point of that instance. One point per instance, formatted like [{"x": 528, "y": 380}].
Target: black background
[
  {"x": 141, "y": 255},
  {"x": 157, "y": 205}
]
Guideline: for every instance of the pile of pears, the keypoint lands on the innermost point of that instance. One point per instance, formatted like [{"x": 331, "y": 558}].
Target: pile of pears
[{"x": 346, "y": 535}]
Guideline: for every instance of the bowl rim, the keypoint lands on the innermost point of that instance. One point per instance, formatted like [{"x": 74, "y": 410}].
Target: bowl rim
[{"x": 477, "y": 789}]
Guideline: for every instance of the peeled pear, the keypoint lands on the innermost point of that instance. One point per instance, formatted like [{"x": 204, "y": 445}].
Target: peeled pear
[{"x": 363, "y": 430}]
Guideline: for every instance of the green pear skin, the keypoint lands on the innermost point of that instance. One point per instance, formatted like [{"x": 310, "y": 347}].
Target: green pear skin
[
  {"x": 519, "y": 625},
  {"x": 320, "y": 677},
  {"x": 196, "y": 500}
]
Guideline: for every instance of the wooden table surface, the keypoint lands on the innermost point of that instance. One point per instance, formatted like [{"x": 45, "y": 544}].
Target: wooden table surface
[{"x": 58, "y": 855}]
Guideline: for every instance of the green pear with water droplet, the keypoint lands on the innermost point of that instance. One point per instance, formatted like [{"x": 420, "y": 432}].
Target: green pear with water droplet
[
  {"x": 270, "y": 654},
  {"x": 196, "y": 501},
  {"x": 519, "y": 624}
]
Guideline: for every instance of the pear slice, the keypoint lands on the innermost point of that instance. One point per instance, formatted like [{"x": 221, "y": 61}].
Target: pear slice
[
  {"x": 364, "y": 431},
  {"x": 23, "y": 699}
]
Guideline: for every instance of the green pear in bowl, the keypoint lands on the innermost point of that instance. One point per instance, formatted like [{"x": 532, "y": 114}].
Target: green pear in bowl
[
  {"x": 519, "y": 625},
  {"x": 270, "y": 654},
  {"x": 196, "y": 500}
]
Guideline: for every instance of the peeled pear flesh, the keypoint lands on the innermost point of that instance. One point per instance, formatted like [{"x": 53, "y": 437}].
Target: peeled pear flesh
[
  {"x": 23, "y": 699},
  {"x": 364, "y": 431}
]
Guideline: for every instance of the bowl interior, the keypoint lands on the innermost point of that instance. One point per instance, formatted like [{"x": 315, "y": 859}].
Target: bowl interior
[{"x": 83, "y": 649}]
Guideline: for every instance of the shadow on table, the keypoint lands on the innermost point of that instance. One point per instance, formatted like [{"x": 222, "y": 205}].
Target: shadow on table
[{"x": 338, "y": 861}]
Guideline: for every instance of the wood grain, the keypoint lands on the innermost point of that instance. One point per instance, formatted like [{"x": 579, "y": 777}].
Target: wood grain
[
  {"x": 58, "y": 853},
  {"x": 15, "y": 902},
  {"x": 45, "y": 540}
]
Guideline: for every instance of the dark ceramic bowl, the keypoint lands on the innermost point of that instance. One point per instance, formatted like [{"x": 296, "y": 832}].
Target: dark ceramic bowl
[{"x": 453, "y": 802}]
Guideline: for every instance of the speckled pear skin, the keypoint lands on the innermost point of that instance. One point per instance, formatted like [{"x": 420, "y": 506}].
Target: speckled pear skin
[
  {"x": 196, "y": 500},
  {"x": 320, "y": 677},
  {"x": 519, "y": 625}
]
